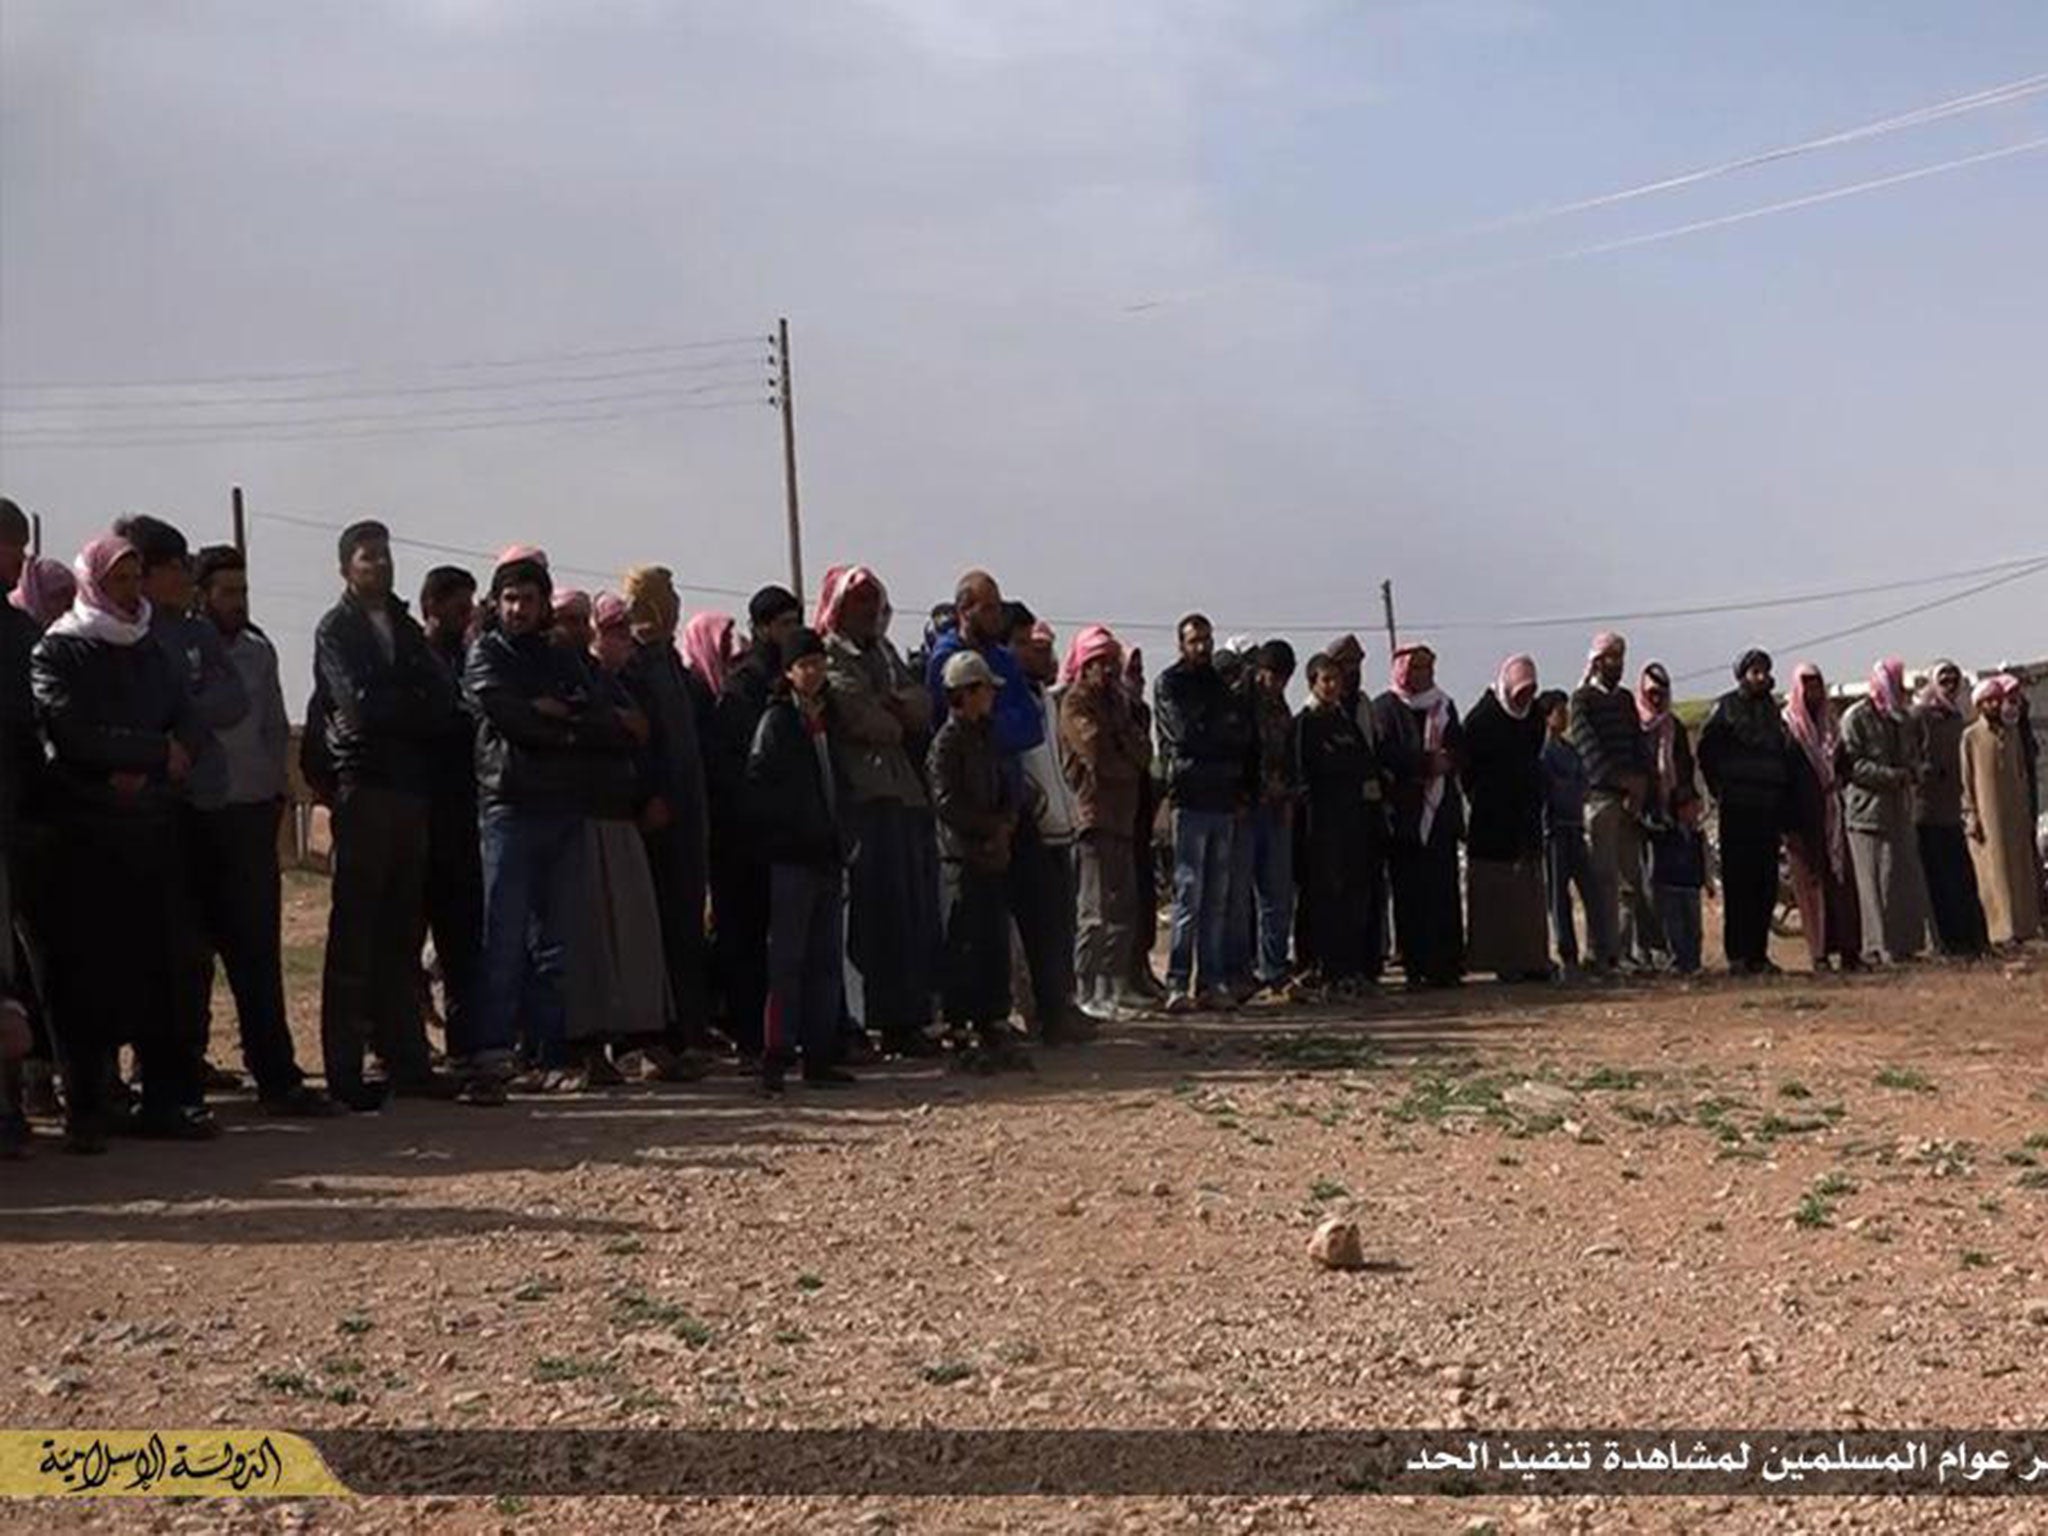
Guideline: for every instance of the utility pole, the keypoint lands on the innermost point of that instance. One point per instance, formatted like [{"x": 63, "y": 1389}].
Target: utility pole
[
  {"x": 1387, "y": 602},
  {"x": 35, "y": 534},
  {"x": 782, "y": 398},
  {"x": 241, "y": 527}
]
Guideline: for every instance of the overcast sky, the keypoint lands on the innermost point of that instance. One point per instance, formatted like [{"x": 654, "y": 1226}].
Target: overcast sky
[{"x": 1142, "y": 305}]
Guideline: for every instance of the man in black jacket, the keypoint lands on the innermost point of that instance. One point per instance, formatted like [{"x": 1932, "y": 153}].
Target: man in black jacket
[
  {"x": 455, "y": 874},
  {"x": 675, "y": 823},
  {"x": 1608, "y": 735},
  {"x": 390, "y": 704},
  {"x": 739, "y": 870},
  {"x": 538, "y": 716},
  {"x": 1208, "y": 751},
  {"x": 1745, "y": 756}
]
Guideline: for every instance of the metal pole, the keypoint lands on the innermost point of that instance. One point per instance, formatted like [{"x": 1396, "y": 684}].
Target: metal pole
[
  {"x": 1387, "y": 602},
  {"x": 35, "y": 534},
  {"x": 241, "y": 528},
  {"x": 796, "y": 537}
]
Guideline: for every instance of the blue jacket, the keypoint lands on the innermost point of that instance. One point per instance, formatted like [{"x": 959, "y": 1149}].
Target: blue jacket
[{"x": 1019, "y": 718}]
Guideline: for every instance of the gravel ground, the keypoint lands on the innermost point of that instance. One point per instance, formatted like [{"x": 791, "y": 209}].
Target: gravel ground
[{"x": 1812, "y": 1201}]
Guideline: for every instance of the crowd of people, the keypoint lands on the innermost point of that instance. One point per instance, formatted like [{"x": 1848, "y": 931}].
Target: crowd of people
[{"x": 631, "y": 845}]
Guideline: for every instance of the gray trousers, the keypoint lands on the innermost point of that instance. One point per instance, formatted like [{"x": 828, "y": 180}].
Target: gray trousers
[
  {"x": 1891, "y": 892},
  {"x": 1108, "y": 878},
  {"x": 1615, "y": 837}
]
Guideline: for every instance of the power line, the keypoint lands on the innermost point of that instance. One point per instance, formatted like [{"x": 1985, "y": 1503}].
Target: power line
[
  {"x": 543, "y": 381},
  {"x": 704, "y": 344},
  {"x": 1889, "y": 618},
  {"x": 258, "y": 436},
  {"x": 358, "y": 419},
  {"x": 1579, "y": 620},
  {"x": 324, "y": 525}
]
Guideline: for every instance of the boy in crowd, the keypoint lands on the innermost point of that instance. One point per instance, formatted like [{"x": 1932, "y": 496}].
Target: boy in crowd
[
  {"x": 977, "y": 808},
  {"x": 1678, "y": 875},
  {"x": 1345, "y": 809}
]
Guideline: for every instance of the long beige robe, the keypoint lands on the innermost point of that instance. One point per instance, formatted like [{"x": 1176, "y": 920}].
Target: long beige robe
[{"x": 2000, "y": 834}]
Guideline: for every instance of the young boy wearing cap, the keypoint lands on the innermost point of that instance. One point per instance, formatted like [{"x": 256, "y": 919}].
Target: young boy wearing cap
[{"x": 977, "y": 813}]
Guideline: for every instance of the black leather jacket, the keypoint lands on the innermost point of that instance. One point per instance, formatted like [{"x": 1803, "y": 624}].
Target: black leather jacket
[
  {"x": 791, "y": 793},
  {"x": 384, "y": 718},
  {"x": 1208, "y": 745},
  {"x": 527, "y": 759},
  {"x": 111, "y": 709}
]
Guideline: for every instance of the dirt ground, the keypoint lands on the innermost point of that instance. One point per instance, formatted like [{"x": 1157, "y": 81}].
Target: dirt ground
[{"x": 1811, "y": 1201}]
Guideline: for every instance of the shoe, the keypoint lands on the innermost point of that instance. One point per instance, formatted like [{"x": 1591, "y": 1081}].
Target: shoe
[
  {"x": 300, "y": 1103},
  {"x": 218, "y": 1079},
  {"x": 359, "y": 1098},
  {"x": 188, "y": 1122},
  {"x": 599, "y": 1072},
  {"x": 426, "y": 1085},
  {"x": 828, "y": 1077},
  {"x": 482, "y": 1092},
  {"x": 1219, "y": 1000},
  {"x": 1180, "y": 1002}
]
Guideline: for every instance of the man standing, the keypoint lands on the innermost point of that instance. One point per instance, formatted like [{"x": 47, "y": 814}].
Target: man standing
[
  {"x": 1938, "y": 816},
  {"x": 1881, "y": 739},
  {"x": 537, "y": 713},
  {"x": 1421, "y": 745},
  {"x": 1608, "y": 734},
  {"x": 675, "y": 822},
  {"x": 1745, "y": 757},
  {"x": 739, "y": 860},
  {"x": 1262, "y": 902},
  {"x": 233, "y": 848},
  {"x": 455, "y": 873},
  {"x": 390, "y": 705},
  {"x": 881, "y": 720},
  {"x": 1045, "y": 906},
  {"x": 218, "y": 701},
  {"x": 1209, "y": 754}
]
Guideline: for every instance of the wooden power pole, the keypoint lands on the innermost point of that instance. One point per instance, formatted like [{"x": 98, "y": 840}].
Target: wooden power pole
[
  {"x": 241, "y": 527},
  {"x": 1387, "y": 603},
  {"x": 782, "y": 398}
]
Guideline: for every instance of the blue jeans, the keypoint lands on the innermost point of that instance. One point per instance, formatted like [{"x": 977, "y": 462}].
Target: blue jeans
[
  {"x": 527, "y": 859},
  {"x": 1203, "y": 842},
  {"x": 1261, "y": 896}
]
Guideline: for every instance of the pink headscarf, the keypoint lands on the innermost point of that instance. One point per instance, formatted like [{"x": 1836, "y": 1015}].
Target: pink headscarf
[
  {"x": 1932, "y": 699},
  {"x": 45, "y": 590},
  {"x": 1997, "y": 686},
  {"x": 1888, "y": 687},
  {"x": 1515, "y": 673},
  {"x": 1436, "y": 710},
  {"x": 709, "y": 645},
  {"x": 608, "y": 611},
  {"x": 524, "y": 552},
  {"x": 92, "y": 613},
  {"x": 1658, "y": 721},
  {"x": 841, "y": 582},
  {"x": 1819, "y": 740},
  {"x": 1096, "y": 640},
  {"x": 1607, "y": 640},
  {"x": 571, "y": 601}
]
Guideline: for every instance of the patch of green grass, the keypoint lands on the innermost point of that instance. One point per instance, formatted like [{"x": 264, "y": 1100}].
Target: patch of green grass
[
  {"x": 1439, "y": 1097},
  {"x": 1989, "y": 1206},
  {"x": 945, "y": 1372},
  {"x": 634, "y": 1308},
  {"x": 354, "y": 1326},
  {"x": 285, "y": 1383},
  {"x": 342, "y": 1395},
  {"x": 1813, "y": 1213},
  {"x": 510, "y": 1504},
  {"x": 1636, "y": 1114},
  {"x": 2022, "y": 1159},
  {"x": 2033, "y": 1178},
  {"x": 1322, "y": 1053},
  {"x": 809, "y": 1282},
  {"x": 1792, "y": 1088},
  {"x": 536, "y": 1288},
  {"x": 790, "y": 1336},
  {"x": 1975, "y": 1258},
  {"x": 568, "y": 1368},
  {"x": 641, "y": 1400},
  {"x": 1903, "y": 1078},
  {"x": 1610, "y": 1078},
  {"x": 1327, "y": 1189},
  {"x": 341, "y": 1365},
  {"x": 624, "y": 1247},
  {"x": 2038, "y": 1142},
  {"x": 1833, "y": 1185}
]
